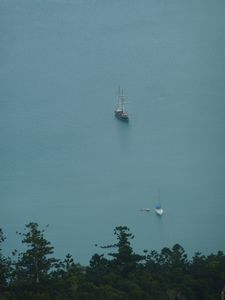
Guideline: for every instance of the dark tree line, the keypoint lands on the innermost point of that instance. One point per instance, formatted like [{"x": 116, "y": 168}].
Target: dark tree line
[{"x": 120, "y": 274}]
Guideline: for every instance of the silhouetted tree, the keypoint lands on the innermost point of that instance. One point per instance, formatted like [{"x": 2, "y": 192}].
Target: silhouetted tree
[
  {"x": 34, "y": 265},
  {"x": 122, "y": 275},
  {"x": 124, "y": 260},
  {"x": 5, "y": 266}
]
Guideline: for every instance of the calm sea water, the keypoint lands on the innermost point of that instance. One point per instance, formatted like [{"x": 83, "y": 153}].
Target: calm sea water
[{"x": 66, "y": 161}]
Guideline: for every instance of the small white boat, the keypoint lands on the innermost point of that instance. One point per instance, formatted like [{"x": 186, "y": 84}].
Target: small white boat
[
  {"x": 158, "y": 207},
  {"x": 159, "y": 210}
]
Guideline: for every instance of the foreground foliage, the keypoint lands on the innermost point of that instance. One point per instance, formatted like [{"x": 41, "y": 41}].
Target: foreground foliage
[{"x": 120, "y": 274}]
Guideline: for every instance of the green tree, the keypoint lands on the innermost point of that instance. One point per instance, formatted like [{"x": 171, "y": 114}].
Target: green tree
[
  {"x": 98, "y": 269},
  {"x": 124, "y": 260},
  {"x": 208, "y": 275},
  {"x": 34, "y": 265},
  {"x": 67, "y": 278},
  {"x": 5, "y": 266}
]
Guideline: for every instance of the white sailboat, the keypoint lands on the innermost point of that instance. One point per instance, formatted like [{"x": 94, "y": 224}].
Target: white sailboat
[
  {"x": 159, "y": 210},
  {"x": 158, "y": 207}
]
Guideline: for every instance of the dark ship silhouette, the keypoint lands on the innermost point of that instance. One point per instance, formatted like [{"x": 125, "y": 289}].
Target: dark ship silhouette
[{"x": 120, "y": 112}]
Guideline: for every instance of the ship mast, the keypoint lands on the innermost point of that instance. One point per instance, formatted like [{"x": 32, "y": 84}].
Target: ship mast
[
  {"x": 119, "y": 99},
  {"x": 122, "y": 98}
]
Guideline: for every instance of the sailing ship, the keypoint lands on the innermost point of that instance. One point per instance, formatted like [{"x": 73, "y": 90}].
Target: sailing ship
[
  {"x": 120, "y": 112},
  {"x": 158, "y": 207},
  {"x": 159, "y": 210}
]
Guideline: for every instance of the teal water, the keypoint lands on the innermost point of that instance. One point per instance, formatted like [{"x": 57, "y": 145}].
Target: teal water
[{"x": 66, "y": 161}]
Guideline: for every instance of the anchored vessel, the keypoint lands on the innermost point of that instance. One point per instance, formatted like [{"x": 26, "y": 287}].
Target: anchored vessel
[
  {"x": 120, "y": 112},
  {"x": 159, "y": 210},
  {"x": 158, "y": 207}
]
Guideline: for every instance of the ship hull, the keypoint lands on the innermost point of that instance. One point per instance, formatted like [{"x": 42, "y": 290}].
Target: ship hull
[
  {"x": 159, "y": 211},
  {"x": 121, "y": 116}
]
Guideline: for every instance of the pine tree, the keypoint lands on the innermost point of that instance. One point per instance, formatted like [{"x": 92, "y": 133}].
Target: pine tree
[
  {"x": 5, "y": 266},
  {"x": 124, "y": 260},
  {"x": 34, "y": 265}
]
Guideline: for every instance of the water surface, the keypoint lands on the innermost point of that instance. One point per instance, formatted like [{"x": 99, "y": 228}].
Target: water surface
[{"x": 65, "y": 160}]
